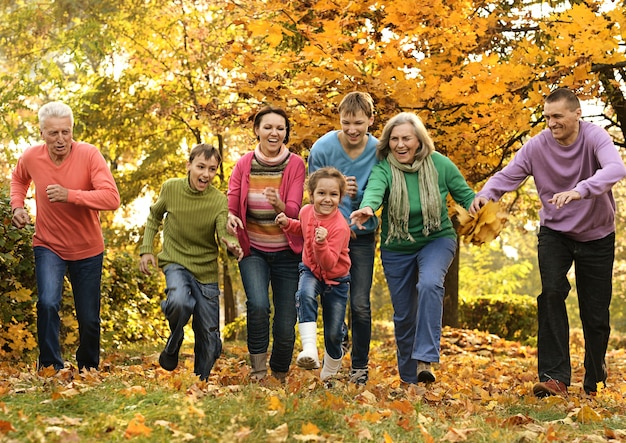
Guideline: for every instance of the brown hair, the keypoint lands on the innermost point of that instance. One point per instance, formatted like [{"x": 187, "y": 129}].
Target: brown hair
[
  {"x": 327, "y": 172},
  {"x": 566, "y": 95},
  {"x": 209, "y": 151},
  {"x": 357, "y": 101},
  {"x": 272, "y": 110}
]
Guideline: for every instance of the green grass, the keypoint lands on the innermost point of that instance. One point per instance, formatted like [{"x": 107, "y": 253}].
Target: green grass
[{"x": 483, "y": 393}]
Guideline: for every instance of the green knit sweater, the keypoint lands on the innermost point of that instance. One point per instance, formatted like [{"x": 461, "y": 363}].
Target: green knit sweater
[
  {"x": 192, "y": 220},
  {"x": 450, "y": 182}
]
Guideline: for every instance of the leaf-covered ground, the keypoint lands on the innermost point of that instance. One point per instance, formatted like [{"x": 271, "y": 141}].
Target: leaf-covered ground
[{"x": 483, "y": 393}]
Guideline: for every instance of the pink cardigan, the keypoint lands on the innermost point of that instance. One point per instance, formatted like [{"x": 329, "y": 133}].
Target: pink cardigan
[{"x": 291, "y": 191}]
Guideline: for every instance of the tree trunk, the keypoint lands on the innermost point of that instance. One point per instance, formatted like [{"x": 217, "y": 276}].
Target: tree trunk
[
  {"x": 230, "y": 309},
  {"x": 451, "y": 294}
]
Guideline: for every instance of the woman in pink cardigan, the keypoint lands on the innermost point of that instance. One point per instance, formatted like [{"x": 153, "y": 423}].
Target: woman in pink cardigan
[{"x": 264, "y": 183}]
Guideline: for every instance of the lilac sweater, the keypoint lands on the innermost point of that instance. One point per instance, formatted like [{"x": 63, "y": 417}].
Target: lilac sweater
[{"x": 590, "y": 166}]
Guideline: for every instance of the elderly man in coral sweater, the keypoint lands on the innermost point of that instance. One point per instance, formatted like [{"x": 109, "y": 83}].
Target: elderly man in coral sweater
[{"x": 72, "y": 184}]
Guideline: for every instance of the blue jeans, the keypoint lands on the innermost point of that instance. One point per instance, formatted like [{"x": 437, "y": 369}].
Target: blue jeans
[
  {"x": 186, "y": 297},
  {"x": 85, "y": 276},
  {"x": 593, "y": 266},
  {"x": 415, "y": 282},
  {"x": 333, "y": 299},
  {"x": 258, "y": 270},
  {"x": 362, "y": 250}
]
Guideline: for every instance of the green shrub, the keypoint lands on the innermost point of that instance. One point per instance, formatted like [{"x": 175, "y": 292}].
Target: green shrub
[
  {"x": 513, "y": 317},
  {"x": 17, "y": 311},
  {"x": 131, "y": 301}
]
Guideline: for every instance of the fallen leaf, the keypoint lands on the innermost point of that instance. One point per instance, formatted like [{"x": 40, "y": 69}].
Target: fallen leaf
[
  {"x": 136, "y": 427},
  {"x": 278, "y": 434}
]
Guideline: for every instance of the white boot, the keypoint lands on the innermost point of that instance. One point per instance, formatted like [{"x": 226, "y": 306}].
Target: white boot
[
  {"x": 308, "y": 358},
  {"x": 331, "y": 366}
]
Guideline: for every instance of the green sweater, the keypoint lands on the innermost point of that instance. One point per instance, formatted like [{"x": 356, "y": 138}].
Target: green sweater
[
  {"x": 192, "y": 220},
  {"x": 450, "y": 182}
]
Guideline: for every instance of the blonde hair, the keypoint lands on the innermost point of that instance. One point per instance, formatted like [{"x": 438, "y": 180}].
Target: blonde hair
[{"x": 427, "y": 146}]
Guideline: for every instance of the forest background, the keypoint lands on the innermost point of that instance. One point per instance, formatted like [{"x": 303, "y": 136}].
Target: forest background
[{"x": 148, "y": 79}]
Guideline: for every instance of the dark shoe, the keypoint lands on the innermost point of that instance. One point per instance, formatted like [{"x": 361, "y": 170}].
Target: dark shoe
[
  {"x": 359, "y": 376},
  {"x": 424, "y": 373},
  {"x": 280, "y": 376},
  {"x": 168, "y": 361},
  {"x": 550, "y": 387}
]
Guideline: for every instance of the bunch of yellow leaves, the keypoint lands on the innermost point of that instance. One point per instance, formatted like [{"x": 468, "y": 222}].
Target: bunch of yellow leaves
[{"x": 481, "y": 227}]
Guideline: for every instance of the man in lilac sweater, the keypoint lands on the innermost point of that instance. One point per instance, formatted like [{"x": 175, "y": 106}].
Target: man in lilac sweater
[{"x": 574, "y": 164}]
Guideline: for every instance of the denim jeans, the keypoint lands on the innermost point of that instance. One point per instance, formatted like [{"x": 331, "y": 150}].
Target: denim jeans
[
  {"x": 258, "y": 270},
  {"x": 415, "y": 282},
  {"x": 186, "y": 297},
  {"x": 593, "y": 266},
  {"x": 362, "y": 250},
  {"x": 85, "y": 276},
  {"x": 333, "y": 299}
]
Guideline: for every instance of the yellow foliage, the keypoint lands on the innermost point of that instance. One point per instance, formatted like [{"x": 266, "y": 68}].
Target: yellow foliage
[{"x": 482, "y": 227}]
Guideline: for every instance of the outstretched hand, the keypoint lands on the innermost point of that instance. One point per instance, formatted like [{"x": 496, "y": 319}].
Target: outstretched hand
[
  {"x": 360, "y": 216},
  {"x": 560, "y": 199}
]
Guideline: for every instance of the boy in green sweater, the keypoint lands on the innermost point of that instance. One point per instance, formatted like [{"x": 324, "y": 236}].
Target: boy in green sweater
[{"x": 196, "y": 212}]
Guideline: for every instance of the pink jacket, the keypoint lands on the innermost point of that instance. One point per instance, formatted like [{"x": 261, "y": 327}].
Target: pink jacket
[
  {"x": 291, "y": 191},
  {"x": 329, "y": 259}
]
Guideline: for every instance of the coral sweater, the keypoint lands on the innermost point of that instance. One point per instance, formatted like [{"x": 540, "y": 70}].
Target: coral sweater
[
  {"x": 70, "y": 229},
  {"x": 329, "y": 259}
]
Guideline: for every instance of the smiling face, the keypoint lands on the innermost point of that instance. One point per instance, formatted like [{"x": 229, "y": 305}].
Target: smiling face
[
  {"x": 403, "y": 143},
  {"x": 271, "y": 132},
  {"x": 354, "y": 128},
  {"x": 326, "y": 196},
  {"x": 57, "y": 134},
  {"x": 202, "y": 171},
  {"x": 562, "y": 121}
]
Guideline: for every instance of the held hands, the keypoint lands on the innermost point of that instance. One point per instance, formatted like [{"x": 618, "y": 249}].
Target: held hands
[
  {"x": 234, "y": 249},
  {"x": 20, "y": 218},
  {"x": 56, "y": 193},
  {"x": 352, "y": 187},
  {"x": 360, "y": 216},
  {"x": 147, "y": 259},
  {"x": 560, "y": 199},
  {"x": 282, "y": 220},
  {"x": 233, "y": 223}
]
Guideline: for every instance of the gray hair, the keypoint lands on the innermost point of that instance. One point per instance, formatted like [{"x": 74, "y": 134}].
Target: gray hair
[
  {"x": 426, "y": 143},
  {"x": 55, "y": 110}
]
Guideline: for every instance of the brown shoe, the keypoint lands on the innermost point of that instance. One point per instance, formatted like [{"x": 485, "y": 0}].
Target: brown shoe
[{"x": 550, "y": 387}]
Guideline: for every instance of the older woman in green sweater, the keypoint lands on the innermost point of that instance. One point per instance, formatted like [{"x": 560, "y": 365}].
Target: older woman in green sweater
[
  {"x": 196, "y": 218},
  {"x": 418, "y": 241}
]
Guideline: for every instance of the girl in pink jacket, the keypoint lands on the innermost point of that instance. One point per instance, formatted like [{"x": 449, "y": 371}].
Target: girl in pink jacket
[{"x": 325, "y": 269}]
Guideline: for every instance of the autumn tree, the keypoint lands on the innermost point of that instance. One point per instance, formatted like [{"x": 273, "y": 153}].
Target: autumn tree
[{"x": 148, "y": 79}]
